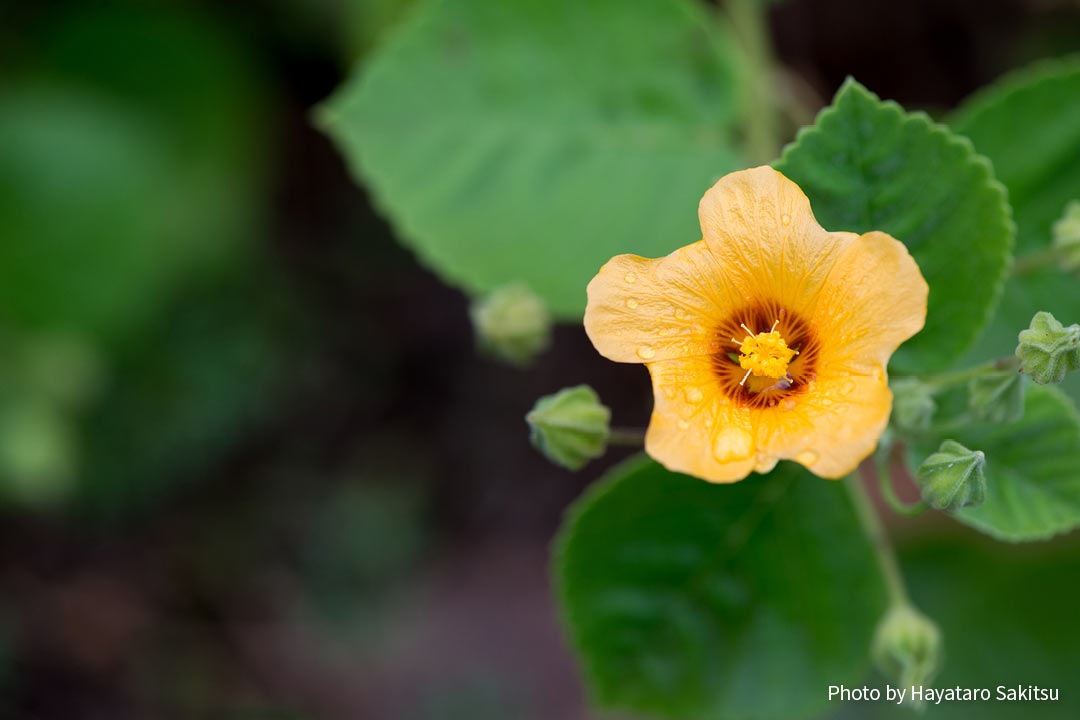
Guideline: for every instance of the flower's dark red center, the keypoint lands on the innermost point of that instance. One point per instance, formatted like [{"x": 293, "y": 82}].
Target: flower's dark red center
[{"x": 761, "y": 392}]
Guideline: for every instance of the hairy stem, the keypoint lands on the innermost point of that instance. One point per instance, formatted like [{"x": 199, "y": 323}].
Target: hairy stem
[
  {"x": 944, "y": 380},
  {"x": 879, "y": 541},
  {"x": 885, "y": 482},
  {"x": 633, "y": 437},
  {"x": 1035, "y": 261},
  {"x": 760, "y": 118}
]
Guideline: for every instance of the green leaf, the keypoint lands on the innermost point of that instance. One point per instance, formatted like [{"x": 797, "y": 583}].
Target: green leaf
[
  {"x": 1032, "y": 469},
  {"x": 1028, "y": 124},
  {"x": 868, "y": 165},
  {"x": 532, "y": 141},
  {"x": 694, "y": 600}
]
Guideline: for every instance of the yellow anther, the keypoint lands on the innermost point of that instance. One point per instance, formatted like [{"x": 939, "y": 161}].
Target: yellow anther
[{"x": 765, "y": 354}]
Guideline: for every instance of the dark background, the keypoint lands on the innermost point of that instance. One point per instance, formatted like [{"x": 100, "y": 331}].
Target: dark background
[{"x": 294, "y": 490}]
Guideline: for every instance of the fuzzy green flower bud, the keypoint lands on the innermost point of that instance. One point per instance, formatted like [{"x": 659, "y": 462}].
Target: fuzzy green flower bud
[
  {"x": 997, "y": 397},
  {"x": 1048, "y": 349},
  {"x": 913, "y": 404},
  {"x": 38, "y": 458},
  {"x": 907, "y": 646},
  {"x": 512, "y": 324},
  {"x": 1066, "y": 234},
  {"x": 953, "y": 477},
  {"x": 570, "y": 427}
]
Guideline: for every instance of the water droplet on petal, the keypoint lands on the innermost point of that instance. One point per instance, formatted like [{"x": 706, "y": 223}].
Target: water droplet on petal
[
  {"x": 731, "y": 444},
  {"x": 765, "y": 463},
  {"x": 847, "y": 387},
  {"x": 630, "y": 277},
  {"x": 683, "y": 425},
  {"x": 631, "y": 303},
  {"x": 680, "y": 313},
  {"x": 788, "y": 405},
  {"x": 807, "y": 458},
  {"x": 645, "y": 352},
  {"x": 786, "y": 219},
  {"x": 694, "y": 395}
]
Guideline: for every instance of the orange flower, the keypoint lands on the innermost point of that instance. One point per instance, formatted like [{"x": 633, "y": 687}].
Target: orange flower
[{"x": 768, "y": 339}]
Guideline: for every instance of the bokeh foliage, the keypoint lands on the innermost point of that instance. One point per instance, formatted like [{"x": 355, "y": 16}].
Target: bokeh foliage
[{"x": 531, "y": 141}]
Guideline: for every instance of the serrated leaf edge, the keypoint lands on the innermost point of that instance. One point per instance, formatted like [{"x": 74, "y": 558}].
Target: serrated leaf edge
[
  {"x": 950, "y": 137},
  {"x": 1071, "y": 411}
]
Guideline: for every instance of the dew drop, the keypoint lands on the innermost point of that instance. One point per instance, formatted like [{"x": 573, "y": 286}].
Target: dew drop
[
  {"x": 631, "y": 303},
  {"x": 788, "y": 405},
  {"x": 731, "y": 444},
  {"x": 786, "y": 219},
  {"x": 878, "y": 373},
  {"x": 630, "y": 278},
  {"x": 847, "y": 387},
  {"x": 694, "y": 395},
  {"x": 683, "y": 425},
  {"x": 645, "y": 352},
  {"x": 765, "y": 463},
  {"x": 807, "y": 458},
  {"x": 708, "y": 422},
  {"x": 680, "y": 313}
]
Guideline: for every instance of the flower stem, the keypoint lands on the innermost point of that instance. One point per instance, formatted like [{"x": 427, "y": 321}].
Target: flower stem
[
  {"x": 884, "y": 474},
  {"x": 944, "y": 380},
  {"x": 879, "y": 541},
  {"x": 633, "y": 437},
  {"x": 749, "y": 19},
  {"x": 1035, "y": 261}
]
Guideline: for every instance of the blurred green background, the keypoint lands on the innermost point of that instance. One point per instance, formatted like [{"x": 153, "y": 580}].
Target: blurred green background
[{"x": 250, "y": 463}]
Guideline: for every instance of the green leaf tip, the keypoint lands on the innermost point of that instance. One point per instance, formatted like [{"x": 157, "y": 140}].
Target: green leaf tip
[
  {"x": 570, "y": 427},
  {"x": 1048, "y": 350}
]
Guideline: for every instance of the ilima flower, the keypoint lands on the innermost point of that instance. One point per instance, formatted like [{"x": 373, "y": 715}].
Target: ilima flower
[{"x": 767, "y": 339}]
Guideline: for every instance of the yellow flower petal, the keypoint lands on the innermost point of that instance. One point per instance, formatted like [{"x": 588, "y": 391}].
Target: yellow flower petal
[
  {"x": 694, "y": 428},
  {"x": 874, "y": 299},
  {"x": 763, "y": 234},
  {"x": 833, "y": 427},
  {"x": 643, "y": 310}
]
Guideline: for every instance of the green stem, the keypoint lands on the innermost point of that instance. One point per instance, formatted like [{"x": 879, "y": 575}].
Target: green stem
[
  {"x": 759, "y": 119},
  {"x": 884, "y": 474},
  {"x": 633, "y": 437},
  {"x": 879, "y": 541},
  {"x": 1035, "y": 261},
  {"x": 941, "y": 381}
]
